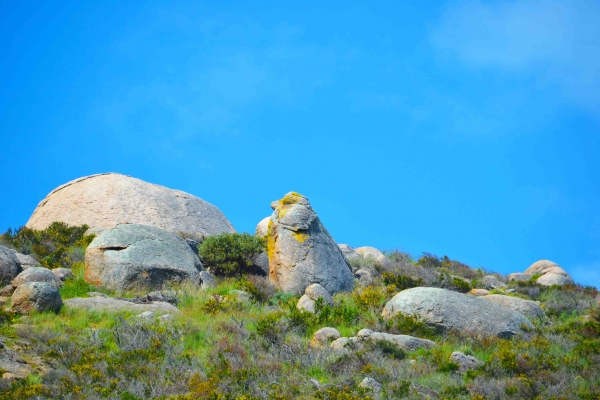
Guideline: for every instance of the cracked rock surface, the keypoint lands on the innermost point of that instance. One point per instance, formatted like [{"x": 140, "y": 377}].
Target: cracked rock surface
[
  {"x": 105, "y": 200},
  {"x": 446, "y": 310},
  {"x": 133, "y": 256}
]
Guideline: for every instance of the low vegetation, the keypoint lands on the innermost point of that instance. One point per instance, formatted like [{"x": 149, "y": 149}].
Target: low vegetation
[{"x": 223, "y": 347}]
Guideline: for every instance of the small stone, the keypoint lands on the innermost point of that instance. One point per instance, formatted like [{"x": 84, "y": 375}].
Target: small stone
[
  {"x": 306, "y": 303},
  {"x": 97, "y": 294},
  {"x": 147, "y": 315},
  {"x": 465, "y": 362},
  {"x": 207, "y": 279},
  {"x": 241, "y": 296},
  {"x": 491, "y": 282},
  {"x": 316, "y": 291},
  {"x": 324, "y": 336},
  {"x": 479, "y": 292},
  {"x": 62, "y": 273},
  {"x": 372, "y": 384}
]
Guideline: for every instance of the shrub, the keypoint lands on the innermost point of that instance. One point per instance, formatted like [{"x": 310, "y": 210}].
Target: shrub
[
  {"x": 230, "y": 254},
  {"x": 409, "y": 325},
  {"x": 59, "y": 245},
  {"x": 401, "y": 282}
]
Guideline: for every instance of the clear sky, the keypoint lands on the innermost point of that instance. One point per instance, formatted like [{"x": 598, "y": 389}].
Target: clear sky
[{"x": 461, "y": 128}]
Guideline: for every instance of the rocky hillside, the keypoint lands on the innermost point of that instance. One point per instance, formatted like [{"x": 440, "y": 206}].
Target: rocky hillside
[{"x": 120, "y": 289}]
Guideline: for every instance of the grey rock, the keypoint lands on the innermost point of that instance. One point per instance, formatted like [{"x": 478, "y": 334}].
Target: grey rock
[
  {"x": 367, "y": 252},
  {"x": 166, "y": 317},
  {"x": 13, "y": 365},
  {"x": 324, "y": 336},
  {"x": 115, "y": 305},
  {"x": 446, "y": 310},
  {"x": 465, "y": 362},
  {"x": 133, "y": 256},
  {"x": 36, "y": 296},
  {"x": 62, "y": 273},
  {"x": 262, "y": 229},
  {"x": 167, "y": 296},
  {"x": 349, "y": 252},
  {"x": 518, "y": 276},
  {"x": 306, "y": 303},
  {"x": 302, "y": 252},
  {"x": 207, "y": 279},
  {"x": 103, "y": 201},
  {"x": 554, "y": 279},
  {"x": 261, "y": 261},
  {"x": 316, "y": 291},
  {"x": 241, "y": 296},
  {"x": 364, "y": 276},
  {"x": 555, "y": 270},
  {"x": 147, "y": 315},
  {"x": 405, "y": 342},
  {"x": 538, "y": 266},
  {"x": 528, "y": 308},
  {"x": 491, "y": 282},
  {"x": 193, "y": 244},
  {"x": 36, "y": 274},
  {"x": 97, "y": 294},
  {"x": 346, "y": 344},
  {"x": 9, "y": 265},
  {"x": 27, "y": 261},
  {"x": 372, "y": 384}
]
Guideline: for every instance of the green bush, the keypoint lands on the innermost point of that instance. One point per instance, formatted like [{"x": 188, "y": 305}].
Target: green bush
[
  {"x": 59, "y": 245},
  {"x": 401, "y": 282},
  {"x": 230, "y": 254}
]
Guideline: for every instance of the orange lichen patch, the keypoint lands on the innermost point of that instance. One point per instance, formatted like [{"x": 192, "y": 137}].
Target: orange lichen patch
[{"x": 300, "y": 236}]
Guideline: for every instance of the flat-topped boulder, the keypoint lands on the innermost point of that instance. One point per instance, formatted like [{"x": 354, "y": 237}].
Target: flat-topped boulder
[
  {"x": 140, "y": 257},
  {"x": 446, "y": 310},
  {"x": 109, "y": 304},
  {"x": 302, "y": 252},
  {"x": 103, "y": 201}
]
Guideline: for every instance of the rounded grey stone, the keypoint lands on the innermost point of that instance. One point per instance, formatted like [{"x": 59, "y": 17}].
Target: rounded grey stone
[
  {"x": 27, "y": 261},
  {"x": 133, "y": 256},
  {"x": 446, "y": 310},
  {"x": 115, "y": 305},
  {"x": 316, "y": 291},
  {"x": 528, "y": 308},
  {"x": 9, "y": 265},
  {"x": 62, "y": 273},
  {"x": 36, "y": 296},
  {"x": 349, "y": 252},
  {"x": 36, "y": 274}
]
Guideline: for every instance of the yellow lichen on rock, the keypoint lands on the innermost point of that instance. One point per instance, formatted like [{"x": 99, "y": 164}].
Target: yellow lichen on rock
[{"x": 300, "y": 236}]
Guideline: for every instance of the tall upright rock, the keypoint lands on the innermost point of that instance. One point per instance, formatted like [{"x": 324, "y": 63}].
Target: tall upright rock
[
  {"x": 302, "y": 252},
  {"x": 105, "y": 200}
]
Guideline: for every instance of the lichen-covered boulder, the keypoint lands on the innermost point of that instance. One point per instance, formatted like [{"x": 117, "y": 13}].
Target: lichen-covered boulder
[
  {"x": 446, "y": 310},
  {"x": 132, "y": 256},
  {"x": 105, "y": 200},
  {"x": 36, "y": 296},
  {"x": 528, "y": 308},
  {"x": 367, "y": 252},
  {"x": 9, "y": 265},
  {"x": 36, "y": 274},
  {"x": 323, "y": 336},
  {"x": 302, "y": 252}
]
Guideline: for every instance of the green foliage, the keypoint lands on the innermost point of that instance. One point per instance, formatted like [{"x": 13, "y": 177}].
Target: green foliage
[
  {"x": 230, "y": 254},
  {"x": 410, "y": 325},
  {"x": 401, "y": 282},
  {"x": 390, "y": 349},
  {"x": 59, "y": 245}
]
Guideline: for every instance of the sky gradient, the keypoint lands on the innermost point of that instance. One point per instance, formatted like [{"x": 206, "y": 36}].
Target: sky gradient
[{"x": 469, "y": 129}]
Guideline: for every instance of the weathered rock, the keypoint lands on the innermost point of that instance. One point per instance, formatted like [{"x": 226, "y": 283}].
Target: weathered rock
[
  {"x": 302, "y": 252},
  {"x": 518, "y": 276},
  {"x": 371, "y": 384},
  {"x": 62, "y": 273},
  {"x": 555, "y": 270},
  {"x": 7, "y": 290},
  {"x": 446, "y": 310},
  {"x": 12, "y": 365},
  {"x": 4, "y": 300},
  {"x": 139, "y": 257},
  {"x": 465, "y": 362},
  {"x": 306, "y": 303},
  {"x": 261, "y": 261},
  {"x": 554, "y": 279},
  {"x": 323, "y": 336},
  {"x": 193, "y": 244},
  {"x": 105, "y": 200},
  {"x": 241, "y": 296},
  {"x": 36, "y": 296},
  {"x": 27, "y": 261},
  {"x": 479, "y": 292},
  {"x": 147, "y": 315},
  {"x": 405, "y": 342},
  {"x": 262, "y": 229},
  {"x": 364, "y": 276},
  {"x": 491, "y": 282},
  {"x": 36, "y": 274},
  {"x": 346, "y": 344},
  {"x": 9, "y": 265},
  {"x": 166, "y": 317},
  {"x": 538, "y": 266},
  {"x": 528, "y": 308},
  {"x": 349, "y": 252},
  {"x": 115, "y": 305},
  {"x": 371, "y": 252},
  {"x": 316, "y": 291},
  {"x": 207, "y": 279}
]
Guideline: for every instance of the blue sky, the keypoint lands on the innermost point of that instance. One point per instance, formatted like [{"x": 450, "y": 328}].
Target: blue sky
[{"x": 465, "y": 128}]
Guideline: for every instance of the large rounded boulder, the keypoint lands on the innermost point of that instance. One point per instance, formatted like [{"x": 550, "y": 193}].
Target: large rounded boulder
[
  {"x": 105, "y": 200},
  {"x": 446, "y": 310},
  {"x": 36, "y": 296},
  {"x": 551, "y": 273},
  {"x": 528, "y": 308},
  {"x": 9, "y": 265},
  {"x": 36, "y": 274},
  {"x": 302, "y": 252},
  {"x": 133, "y": 256}
]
